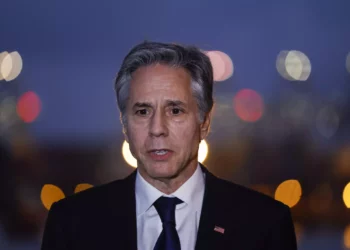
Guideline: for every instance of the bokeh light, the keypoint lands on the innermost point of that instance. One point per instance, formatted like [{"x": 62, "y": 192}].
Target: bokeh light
[
  {"x": 298, "y": 65},
  {"x": 346, "y": 195},
  {"x": 327, "y": 122},
  {"x": 203, "y": 151},
  {"x": 281, "y": 65},
  {"x": 128, "y": 157},
  {"x": 50, "y": 194},
  {"x": 2, "y": 57},
  {"x": 347, "y": 63},
  {"x": 6, "y": 66},
  {"x": 248, "y": 105},
  {"x": 347, "y": 237},
  {"x": 222, "y": 65},
  {"x": 82, "y": 186},
  {"x": 289, "y": 192},
  {"x": 11, "y": 66},
  {"x": 293, "y": 65},
  {"x": 28, "y": 106}
]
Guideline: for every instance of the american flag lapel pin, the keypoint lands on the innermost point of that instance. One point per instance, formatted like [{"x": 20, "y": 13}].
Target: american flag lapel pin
[{"x": 219, "y": 229}]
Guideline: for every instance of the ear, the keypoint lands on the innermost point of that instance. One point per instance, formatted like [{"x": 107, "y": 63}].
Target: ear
[
  {"x": 205, "y": 126},
  {"x": 126, "y": 137},
  {"x": 125, "y": 131}
]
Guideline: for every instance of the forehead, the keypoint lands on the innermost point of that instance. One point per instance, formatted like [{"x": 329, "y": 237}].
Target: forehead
[{"x": 154, "y": 80}]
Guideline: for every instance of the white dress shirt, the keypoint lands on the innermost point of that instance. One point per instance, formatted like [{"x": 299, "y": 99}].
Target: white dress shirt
[{"x": 187, "y": 214}]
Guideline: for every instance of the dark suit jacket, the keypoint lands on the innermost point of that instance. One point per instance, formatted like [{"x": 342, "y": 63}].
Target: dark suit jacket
[{"x": 104, "y": 217}]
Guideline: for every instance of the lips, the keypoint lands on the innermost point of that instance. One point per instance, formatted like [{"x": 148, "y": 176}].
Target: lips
[
  {"x": 159, "y": 150},
  {"x": 160, "y": 154}
]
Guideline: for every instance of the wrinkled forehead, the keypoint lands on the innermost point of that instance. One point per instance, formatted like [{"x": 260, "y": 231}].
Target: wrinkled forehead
[
  {"x": 161, "y": 82},
  {"x": 160, "y": 72}
]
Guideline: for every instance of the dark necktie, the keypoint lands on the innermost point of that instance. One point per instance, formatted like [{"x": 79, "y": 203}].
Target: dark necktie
[{"x": 168, "y": 238}]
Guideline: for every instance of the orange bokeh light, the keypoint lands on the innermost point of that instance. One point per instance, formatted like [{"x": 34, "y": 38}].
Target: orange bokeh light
[
  {"x": 51, "y": 194},
  {"x": 248, "y": 105},
  {"x": 28, "y": 106},
  {"x": 82, "y": 186}
]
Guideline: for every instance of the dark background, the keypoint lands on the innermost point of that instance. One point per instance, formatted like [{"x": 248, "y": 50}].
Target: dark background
[{"x": 71, "y": 51}]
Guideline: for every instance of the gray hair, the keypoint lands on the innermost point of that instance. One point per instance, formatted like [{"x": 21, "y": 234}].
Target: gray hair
[{"x": 188, "y": 57}]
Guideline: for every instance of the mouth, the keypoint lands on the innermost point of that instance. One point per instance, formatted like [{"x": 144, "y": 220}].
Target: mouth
[
  {"x": 160, "y": 154},
  {"x": 161, "y": 151}
]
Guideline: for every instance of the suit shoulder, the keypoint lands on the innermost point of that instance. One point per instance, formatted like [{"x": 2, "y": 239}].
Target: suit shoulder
[
  {"x": 92, "y": 197},
  {"x": 248, "y": 199}
]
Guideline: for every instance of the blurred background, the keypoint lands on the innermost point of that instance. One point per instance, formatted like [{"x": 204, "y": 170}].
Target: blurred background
[{"x": 281, "y": 121}]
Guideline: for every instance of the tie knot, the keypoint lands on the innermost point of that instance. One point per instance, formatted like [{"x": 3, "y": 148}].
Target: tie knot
[{"x": 165, "y": 207}]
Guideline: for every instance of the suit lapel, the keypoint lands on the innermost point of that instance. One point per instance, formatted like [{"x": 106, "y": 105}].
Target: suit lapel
[
  {"x": 130, "y": 214},
  {"x": 123, "y": 220},
  {"x": 211, "y": 215}
]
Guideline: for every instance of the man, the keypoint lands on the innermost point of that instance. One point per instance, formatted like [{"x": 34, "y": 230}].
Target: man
[{"x": 170, "y": 202}]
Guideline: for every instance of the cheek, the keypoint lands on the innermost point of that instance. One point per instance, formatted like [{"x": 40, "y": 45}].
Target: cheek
[
  {"x": 136, "y": 138},
  {"x": 185, "y": 132}
]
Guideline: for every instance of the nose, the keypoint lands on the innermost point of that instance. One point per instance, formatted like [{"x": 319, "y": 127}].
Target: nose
[{"x": 158, "y": 125}]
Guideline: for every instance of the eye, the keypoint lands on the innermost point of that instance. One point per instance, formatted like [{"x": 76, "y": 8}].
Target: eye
[
  {"x": 142, "y": 112},
  {"x": 176, "y": 111}
]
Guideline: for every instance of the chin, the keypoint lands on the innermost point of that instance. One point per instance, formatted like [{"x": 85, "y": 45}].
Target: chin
[{"x": 162, "y": 172}]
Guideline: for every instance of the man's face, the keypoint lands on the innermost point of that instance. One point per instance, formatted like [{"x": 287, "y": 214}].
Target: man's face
[{"x": 162, "y": 127}]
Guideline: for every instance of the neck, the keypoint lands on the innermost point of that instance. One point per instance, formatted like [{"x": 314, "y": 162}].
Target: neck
[{"x": 170, "y": 185}]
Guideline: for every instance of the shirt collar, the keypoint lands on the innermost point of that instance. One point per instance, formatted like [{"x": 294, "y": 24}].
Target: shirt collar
[{"x": 191, "y": 192}]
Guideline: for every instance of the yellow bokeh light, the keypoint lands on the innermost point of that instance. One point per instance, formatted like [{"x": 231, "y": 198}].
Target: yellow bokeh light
[
  {"x": 129, "y": 158},
  {"x": 82, "y": 186},
  {"x": 17, "y": 65},
  {"x": 347, "y": 237},
  {"x": 2, "y": 57},
  {"x": 50, "y": 194},
  {"x": 280, "y": 65},
  {"x": 10, "y": 65},
  {"x": 6, "y": 66},
  {"x": 289, "y": 192},
  {"x": 203, "y": 151},
  {"x": 346, "y": 195},
  {"x": 293, "y": 65}
]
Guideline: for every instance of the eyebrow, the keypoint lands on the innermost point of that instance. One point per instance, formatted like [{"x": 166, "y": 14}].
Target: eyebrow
[
  {"x": 168, "y": 103},
  {"x": 142, "y": 105},
  {"x": 175, "y": 103}
]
